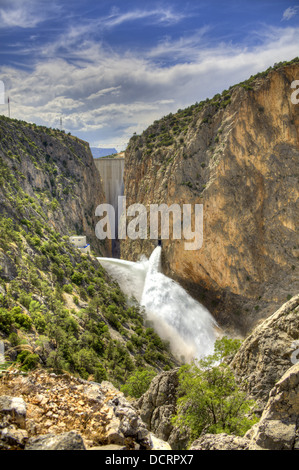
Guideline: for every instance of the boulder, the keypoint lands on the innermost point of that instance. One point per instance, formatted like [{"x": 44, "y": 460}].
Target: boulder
[
  {"x": 12, "y": 437},
  {"x": 71, "y": 440},
  {"x": 220, "y": 442},
  {"x": 12, "y": 411},
  {"x": 278, "y": 428},
  {"x": 8, "y": 270}
]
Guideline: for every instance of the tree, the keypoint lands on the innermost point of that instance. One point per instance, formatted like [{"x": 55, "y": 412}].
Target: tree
[
  {"x": 138, "y": 383},
  {"x": 210, "y": 400}
]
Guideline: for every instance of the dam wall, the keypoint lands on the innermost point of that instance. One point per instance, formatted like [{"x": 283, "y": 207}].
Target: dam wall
[{"x": 112, "y": 174}]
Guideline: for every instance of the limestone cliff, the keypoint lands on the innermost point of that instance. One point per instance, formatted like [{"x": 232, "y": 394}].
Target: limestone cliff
[
  {"x": 237, "y": 154},
  {"x": 269, "y": 351},
  {"x": 57, "y": 175}
]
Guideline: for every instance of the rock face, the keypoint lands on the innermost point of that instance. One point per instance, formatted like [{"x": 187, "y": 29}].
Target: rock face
[
  {"x": 158, "y": 405},
  {"x": 237, "y": 155},
  {"x": 66, "y": 441},
  {"x": 12, "y": 423},
  {"x": 65, "y": 413},
  {"x": 220, "y": 442},
  {"x": 54, "y": 171},
  {"x": 278, "y": 428},
  {"x": 268, "y": 352}
]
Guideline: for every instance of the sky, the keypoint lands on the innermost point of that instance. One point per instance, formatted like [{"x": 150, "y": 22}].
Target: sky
[{"x": 110, "y": 68}]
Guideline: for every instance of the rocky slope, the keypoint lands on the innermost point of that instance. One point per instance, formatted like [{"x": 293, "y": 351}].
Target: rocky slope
[
  {"x": 44, "y": 411},
  {"x": 47, "y": 174},
  {"x": 237, "y": 155}
]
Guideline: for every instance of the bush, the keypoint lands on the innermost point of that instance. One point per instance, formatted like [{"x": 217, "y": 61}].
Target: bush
[
  {"x": 20, "y": 319},
  {"x": 138, "y": 383},
  {"x": 25, "y": 299},
  {"x": 14, "y": 318},
  {"x": 68, "y": 288},
  {"x": 28, "y": 360},
  {"x": 77, "y": 278}
]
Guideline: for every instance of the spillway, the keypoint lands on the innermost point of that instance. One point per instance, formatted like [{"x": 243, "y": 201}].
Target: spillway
[{"x": 176, "y": 316}]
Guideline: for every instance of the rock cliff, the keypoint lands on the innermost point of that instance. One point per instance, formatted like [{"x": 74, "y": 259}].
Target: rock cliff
[
  {"x": 50, "y": 175},
  {"x": 157, "y": 407},
  {"x": 269, "y": 351},
  {"x": 237, "y": 155}
]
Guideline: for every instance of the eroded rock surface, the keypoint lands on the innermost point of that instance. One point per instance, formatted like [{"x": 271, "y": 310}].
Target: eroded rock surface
[
  {"x": 47, "y": 411},
  {"x": 268, "y": 352}
]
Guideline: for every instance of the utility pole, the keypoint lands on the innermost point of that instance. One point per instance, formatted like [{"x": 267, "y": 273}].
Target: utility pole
[{"x": 8, "y": 104}]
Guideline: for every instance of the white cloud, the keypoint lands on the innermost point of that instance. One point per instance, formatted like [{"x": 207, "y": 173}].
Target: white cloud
[
  {"x": 289, "y": 13},
  {"x": 113, "y": 90},
  {"x": 159, "y": 15},
  {"x": 109, "y": 96},
  {"x": 25, "y": 14},
  {"x": 186, "y": 48}
]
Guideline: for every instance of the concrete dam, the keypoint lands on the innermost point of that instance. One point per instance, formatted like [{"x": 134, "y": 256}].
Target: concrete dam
[{"x": 112, "y": 174}]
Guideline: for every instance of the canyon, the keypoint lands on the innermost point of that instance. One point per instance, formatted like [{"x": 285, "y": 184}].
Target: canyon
[{"x": 71, "y": 338}]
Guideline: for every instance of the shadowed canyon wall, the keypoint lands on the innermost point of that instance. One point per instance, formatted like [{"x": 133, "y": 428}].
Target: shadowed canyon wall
[{"x": 237, "y": 154}]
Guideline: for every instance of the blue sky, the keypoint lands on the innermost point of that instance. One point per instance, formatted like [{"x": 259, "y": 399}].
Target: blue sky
[{"x": 110, "y": 68}]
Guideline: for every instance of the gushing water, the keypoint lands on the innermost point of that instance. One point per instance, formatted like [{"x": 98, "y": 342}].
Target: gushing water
[{"x": 176, "y": 316}]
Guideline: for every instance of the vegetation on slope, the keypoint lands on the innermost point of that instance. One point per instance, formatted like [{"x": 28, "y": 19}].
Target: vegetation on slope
[{"x": 58, "y": 307}]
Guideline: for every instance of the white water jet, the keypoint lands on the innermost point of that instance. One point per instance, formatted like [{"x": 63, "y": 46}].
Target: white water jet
[
  {"x": 129, "y": 275},
  {"x": 2, "y": 357},
  {"x": 176, "y": 316}
]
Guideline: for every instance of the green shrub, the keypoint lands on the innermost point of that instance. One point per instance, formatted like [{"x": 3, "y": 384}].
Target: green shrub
[
  {"x": 138, "y": 383},
  {"x": 210, "y": 400},
  {"x": 68, "y": 288},
  {"x": 25, "y": 299},
  {"x": 28, "y": 360},
  {"x": 77, "y": 278},
  {"x": 20, "y": 319}
]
